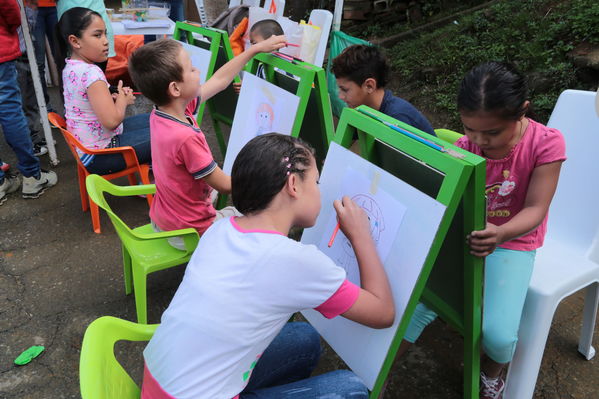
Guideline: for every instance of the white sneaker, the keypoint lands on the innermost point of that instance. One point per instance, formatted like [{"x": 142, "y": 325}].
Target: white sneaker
[
  {"x": 10, "y": 184},
  {"x": 34, "y": 186}
]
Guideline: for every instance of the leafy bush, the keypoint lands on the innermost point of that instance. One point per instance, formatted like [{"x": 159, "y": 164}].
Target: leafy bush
[{"x": 535, "y": 35}]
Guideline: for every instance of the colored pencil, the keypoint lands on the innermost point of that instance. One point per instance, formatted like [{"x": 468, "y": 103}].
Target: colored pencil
[{"x": 334, "y": 235}]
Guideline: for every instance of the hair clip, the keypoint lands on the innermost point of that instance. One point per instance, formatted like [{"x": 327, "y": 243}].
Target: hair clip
[
  {"x": 288, "y": 173},
  {"x": 288, "y": 165},
  {"x": 286, "y": 159}
]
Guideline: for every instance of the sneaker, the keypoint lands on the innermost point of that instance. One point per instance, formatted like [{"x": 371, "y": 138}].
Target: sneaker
[
  {"x": 10, "y": 184},
  {"x": 4, "y": 167},
  {"x": 491, "y": 388},
  {"x": 39, "y": 150},
  {"x": 35, "y": 186}
]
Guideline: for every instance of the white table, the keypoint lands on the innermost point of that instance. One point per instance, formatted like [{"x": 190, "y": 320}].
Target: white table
[{"x": 119, "y": 29}]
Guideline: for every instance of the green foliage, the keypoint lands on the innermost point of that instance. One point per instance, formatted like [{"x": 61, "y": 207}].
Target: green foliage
[{"x": 535, "y": 35}]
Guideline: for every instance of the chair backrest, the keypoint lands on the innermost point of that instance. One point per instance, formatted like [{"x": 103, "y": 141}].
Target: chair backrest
[
  {"x": 574, "y": 215},
  {"x": 72, "y": 142},
  {"x": 100, "y": 375},
  {"x": 323, "y": 19},
  {"x": 96, "y": 187},
  {"x": 448, "y": 135}
]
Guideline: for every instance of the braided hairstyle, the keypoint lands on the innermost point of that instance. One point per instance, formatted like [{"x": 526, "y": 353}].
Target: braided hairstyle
[{"x": 262, "y": 167}]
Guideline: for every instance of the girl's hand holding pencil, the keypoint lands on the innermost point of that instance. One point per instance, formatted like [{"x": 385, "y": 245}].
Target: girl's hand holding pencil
[{"x": 353, "y": 221}]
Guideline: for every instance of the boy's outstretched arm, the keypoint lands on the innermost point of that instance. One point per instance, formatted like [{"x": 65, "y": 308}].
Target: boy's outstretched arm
[{"x": 221, "y": 78}]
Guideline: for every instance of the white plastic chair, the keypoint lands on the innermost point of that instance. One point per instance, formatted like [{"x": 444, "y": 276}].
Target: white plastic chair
[
  {"x": 323, "y": 19},
  {"x": 569, "y": 259}
]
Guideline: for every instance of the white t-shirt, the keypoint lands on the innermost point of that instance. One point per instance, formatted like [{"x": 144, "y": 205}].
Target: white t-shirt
[{"x": 239, "y": 290}]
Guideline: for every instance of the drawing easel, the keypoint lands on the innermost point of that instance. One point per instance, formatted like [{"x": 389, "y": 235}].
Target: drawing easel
[
  {"x": 314, "y": 121},
  {"x": 451, "y": 280},
  {"x": 221, "y": 106}
]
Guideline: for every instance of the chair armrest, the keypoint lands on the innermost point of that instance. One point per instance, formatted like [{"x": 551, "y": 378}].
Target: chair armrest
[
  {"x": 130, "y": 191},
  {"x": 190, "y": 237}
]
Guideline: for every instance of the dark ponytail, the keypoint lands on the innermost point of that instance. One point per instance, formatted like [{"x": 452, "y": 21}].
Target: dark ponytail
[
  {"x": 494, "y": 87},
  {"x": 262, "y": 167},
  {"x": 73, "y": 22}
]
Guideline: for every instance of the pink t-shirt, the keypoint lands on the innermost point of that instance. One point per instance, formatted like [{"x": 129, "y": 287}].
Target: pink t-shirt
[
  {"x": 508, "y": 178},
  {"x": 82, "y": 121},
  {"x": 239, "y": 290},
  {"x": 181, "y": 158}
]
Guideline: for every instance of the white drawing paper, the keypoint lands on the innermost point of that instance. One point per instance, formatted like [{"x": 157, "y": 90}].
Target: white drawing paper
[
  {"x": 384, "y": 212},
  {"x": 412, "y": 219},
  {"x": 200, "y": 58},
  {"x": 262, "y": 108}
]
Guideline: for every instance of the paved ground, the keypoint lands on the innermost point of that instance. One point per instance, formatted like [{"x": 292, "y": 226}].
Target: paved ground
[{"x": 56, "y": 276}]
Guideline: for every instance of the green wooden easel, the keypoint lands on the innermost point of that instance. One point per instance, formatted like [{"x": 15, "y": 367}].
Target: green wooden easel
[
  {"x": 451, "y": 280},
  {"x": 221, "y": 106}
]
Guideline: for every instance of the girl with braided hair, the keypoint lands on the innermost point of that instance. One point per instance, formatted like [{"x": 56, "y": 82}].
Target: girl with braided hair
[{"x": 225, "y": 334}]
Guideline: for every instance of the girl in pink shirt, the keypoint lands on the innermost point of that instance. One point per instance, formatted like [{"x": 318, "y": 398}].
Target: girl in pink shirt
[{"x": 523, "y": 165}]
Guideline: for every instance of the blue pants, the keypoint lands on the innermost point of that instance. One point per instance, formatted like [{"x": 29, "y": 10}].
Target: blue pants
[
  {"x": 13, "y": 122},
  {"x": 507, "y": 275},
  {"x": 44, "y": 27},
  {"x": 284, "y": 369},
  {"x": 136, "y": 133}
]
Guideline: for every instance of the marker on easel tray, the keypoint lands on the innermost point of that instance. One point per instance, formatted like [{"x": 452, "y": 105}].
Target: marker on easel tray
[
  {"x": 334, "y": 235},
  {"x": 291, "y": 45}
]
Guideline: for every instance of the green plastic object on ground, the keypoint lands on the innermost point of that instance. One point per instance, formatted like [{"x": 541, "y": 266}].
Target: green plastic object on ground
[
  {"x": 28, "y": 355},
  {"x": 339, "y": 41}
]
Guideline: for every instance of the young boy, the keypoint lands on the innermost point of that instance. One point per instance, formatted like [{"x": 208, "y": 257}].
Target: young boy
[
  {"x": 259, "y": 32},
  {"x": 184, "y": 169},
  {"x": 362, "y": 72}
]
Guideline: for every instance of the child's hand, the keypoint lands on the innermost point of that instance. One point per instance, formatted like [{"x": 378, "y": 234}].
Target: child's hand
[
  {"x": 237, "y": 87},
  {"x": 352, "y": 219},
  {"x": 271, "y": 44},
  {"x": 126, "y": 93},
  {"x": 483, "y": 242}
]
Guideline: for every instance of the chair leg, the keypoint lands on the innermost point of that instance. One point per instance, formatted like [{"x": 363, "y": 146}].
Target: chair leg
[
  {"x": 82, "y": 190},
  {"x": 591, "y": 300},
  {"x": 532, "y": 337},
  {"x": 139, "y": 286},
  {"x": 95, "y": 213},
  {"x": 127, "y": 271}
]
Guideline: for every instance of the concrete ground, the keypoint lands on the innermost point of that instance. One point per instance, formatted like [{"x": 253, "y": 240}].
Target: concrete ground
[{"x": 57, "y": 276}]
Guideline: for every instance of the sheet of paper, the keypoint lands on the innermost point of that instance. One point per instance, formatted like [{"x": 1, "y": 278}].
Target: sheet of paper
[
  {"x": 262, "y": 108},
  {"x": 200, "y": 58},
  {"x": 385, "y": 215}
]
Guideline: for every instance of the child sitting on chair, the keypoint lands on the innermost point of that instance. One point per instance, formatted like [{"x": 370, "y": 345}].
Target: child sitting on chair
[
  {"x": 184, "y": 169},
  {"x": 362, "y": 72}
]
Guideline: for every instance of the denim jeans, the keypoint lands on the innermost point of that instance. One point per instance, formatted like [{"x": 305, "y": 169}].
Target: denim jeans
[
  {"x": 13, "y": 122},
  {"x": 284, "y": 369},
  {"x": 44, "y": 26},
  {"x": 28, "y": 99},
  {"x": 136, "y": 133}
]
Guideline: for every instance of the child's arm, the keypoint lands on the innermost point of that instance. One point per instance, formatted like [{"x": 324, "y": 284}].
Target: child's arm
[
  {"x": 219, "y": 181},
  {"x": 110, "y": 111},
  {"x": 374, "y": 307},
  {"x": 541, "y": 188},
  {"x": 221, "y": 78}
]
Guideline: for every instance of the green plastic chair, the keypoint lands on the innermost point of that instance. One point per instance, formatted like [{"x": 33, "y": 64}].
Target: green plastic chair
[
  {"x": 144, "y": 250},
  {"x": 448, "y": 135},
  {"x": 100, "y": 375}
]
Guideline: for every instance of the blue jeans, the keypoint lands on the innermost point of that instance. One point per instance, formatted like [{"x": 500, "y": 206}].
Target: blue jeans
[
  {"x": 13, "y": 122},
  {"x": 507, "y": 276},
  {"x": 136, "y": 133},
  {"x": 284, "y": 369},
  {"x": 44, "y": 26}
]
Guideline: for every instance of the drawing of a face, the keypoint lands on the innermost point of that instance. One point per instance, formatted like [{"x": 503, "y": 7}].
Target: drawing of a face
[
  {"x": 375, "y": 216},
  {"x": 264, "y": 118}
]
